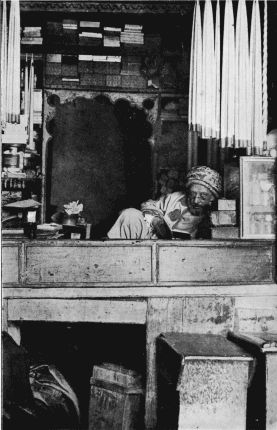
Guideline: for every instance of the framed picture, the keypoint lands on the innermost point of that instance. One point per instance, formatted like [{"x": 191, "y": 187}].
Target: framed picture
[{"x": 257, "y": 197}]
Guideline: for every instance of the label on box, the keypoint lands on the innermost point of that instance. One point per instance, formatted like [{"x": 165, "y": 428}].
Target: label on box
[
  {"x": 226, "y": 205},
  {"x": 224, "y": 218}
]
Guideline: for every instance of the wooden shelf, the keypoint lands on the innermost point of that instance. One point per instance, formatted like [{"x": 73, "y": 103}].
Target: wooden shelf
[
  {"x": 76, "y": 49},
  {"x": 105, "y": 89}
]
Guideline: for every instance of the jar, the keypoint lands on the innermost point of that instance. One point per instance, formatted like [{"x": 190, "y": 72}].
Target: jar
[{"x": 70, "y": 219}]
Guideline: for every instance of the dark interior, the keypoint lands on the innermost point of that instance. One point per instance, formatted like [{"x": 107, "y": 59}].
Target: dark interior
[
  {"x": 100, "y": 155},
  {"x": 75, "y": 348}
]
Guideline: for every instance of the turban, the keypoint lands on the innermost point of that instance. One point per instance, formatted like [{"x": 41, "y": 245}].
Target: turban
[{"x": 206, "y": 176}]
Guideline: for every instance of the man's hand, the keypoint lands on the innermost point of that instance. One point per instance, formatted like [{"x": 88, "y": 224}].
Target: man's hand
[{"x": 160, "y": 228}]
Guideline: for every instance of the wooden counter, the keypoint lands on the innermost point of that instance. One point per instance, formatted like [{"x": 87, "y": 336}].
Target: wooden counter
[
  {"x": 135, "y": 263},
  {"x": 185, "y": 286}
]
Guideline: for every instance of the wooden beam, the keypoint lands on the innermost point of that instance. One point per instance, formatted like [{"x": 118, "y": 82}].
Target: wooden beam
[
  {"x": 257, "y": 292},
  {"x": 112, "y": 6},
  {"x": 66, "y": 310}
]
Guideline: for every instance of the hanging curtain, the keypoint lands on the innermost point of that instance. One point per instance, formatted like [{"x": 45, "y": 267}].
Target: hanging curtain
[
  {"x": 227, "y": 124},
  {"x": 13, "y": 64},
  {"x": 243, "y": 80},
  {"x": 256, "y": 81},
  {"x": 4, "y": 48}
]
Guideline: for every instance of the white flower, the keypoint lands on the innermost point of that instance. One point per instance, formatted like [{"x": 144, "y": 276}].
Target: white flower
[{"x": 73, "y": 208}]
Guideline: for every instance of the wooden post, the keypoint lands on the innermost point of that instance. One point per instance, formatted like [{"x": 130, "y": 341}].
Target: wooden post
[
  {"x": 271, "y": 388},
  {"x": 264, "y": 343},
  {"x": 162, "y": 315},
  {"x": 155, "y": 324}
]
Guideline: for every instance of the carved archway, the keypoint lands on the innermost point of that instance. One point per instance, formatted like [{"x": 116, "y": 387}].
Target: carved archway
[{"x": 97, "y": 149}]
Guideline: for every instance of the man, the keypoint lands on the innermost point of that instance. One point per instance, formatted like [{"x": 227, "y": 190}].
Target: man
[{"x": 178, "y": 214}]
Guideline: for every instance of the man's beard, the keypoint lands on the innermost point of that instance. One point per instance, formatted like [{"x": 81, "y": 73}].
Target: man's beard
[{"x": 197, "y": 210}]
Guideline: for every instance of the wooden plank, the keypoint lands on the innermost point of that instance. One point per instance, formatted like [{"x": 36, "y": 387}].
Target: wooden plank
[
  {"x": 83, "y": 265},
  {"x": 4, "y": 315},
  {"x": 155, "y": 324},
  {"x": 256, "y": 319},
  {"x": 212, "y": 314},
  {"x": 10, "y": 261},
  {"x": 247, "y": 292},
  {"x": 175, "y": 314},
  {"x": 213, "y": 264},
  {"x": 63, "y": 310},
  {"x": 162, "y": 315},
  {"x": 271, "y": 391}
]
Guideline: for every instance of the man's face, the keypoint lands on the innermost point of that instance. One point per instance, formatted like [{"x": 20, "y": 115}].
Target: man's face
[{"x": 199, "y": 198}]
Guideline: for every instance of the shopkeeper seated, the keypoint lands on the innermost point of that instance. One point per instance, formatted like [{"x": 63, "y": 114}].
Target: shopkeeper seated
[{"x": 179, "y": 214}]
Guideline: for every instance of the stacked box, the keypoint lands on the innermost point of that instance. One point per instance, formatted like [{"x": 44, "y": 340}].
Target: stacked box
[
  {"x": 113, "y": 81},
  {"x": 131, "y": 65},
  {"x": 53, "y": 80},
  {"x": 133, "y": 81},
  {"x": 94, "y": 80},
  {"x": 113, "y": 68},
  {"x": 224, "y": 220},
  {"x": 100, "y": 67},
  {"x": 116, "y": 399},
  {"x": 85, "y": 67},
  {"x": 70, "y": 34},
  {"x": 53, "y": 65},
  {"x": 70, "y": 66},
  {"x": 225, "y": 232}
]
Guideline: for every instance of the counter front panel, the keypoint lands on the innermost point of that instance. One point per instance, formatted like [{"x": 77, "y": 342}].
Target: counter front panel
[
  {"x": 67, "y": 264},
  {"x": 10, "y": 264},
  {"x": 215, "y": 264},
  {"x": 137, "y": 263}
]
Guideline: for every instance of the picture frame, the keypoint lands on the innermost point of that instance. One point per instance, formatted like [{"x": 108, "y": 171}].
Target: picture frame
[{"x": 257, "y": 197}]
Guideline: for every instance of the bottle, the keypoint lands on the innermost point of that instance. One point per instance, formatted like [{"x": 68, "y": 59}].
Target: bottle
[{"x": 30, "y": 226}]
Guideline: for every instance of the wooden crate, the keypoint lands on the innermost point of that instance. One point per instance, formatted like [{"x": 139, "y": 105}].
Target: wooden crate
[
  {"x": 203, "y": 382},
  {"x": 114, "y": 407}
]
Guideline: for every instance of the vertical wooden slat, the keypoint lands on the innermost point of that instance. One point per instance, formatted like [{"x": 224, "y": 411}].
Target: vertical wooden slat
[
  {"x": 175, "y": 314},
  {"x": 162, "y": 315},
  {"x": 155, "y": 324},
  {"x": 4, "y": 314},
  {"x": 155, "y": 263},
  {"x": 22, "y": 263},
  {"x": 271, "y": 390}
]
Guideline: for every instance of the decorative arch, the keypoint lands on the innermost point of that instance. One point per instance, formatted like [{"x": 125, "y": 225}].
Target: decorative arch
[{"x": 97, "y": 147}]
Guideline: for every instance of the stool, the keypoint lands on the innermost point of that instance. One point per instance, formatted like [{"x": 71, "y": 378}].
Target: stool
[
  {"x": 207, "y": 376},
  {"x": 263, "y": 396}
]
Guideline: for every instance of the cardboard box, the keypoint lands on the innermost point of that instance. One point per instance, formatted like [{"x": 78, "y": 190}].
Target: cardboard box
[
  {"x": 85, "y": 66},
  {"x": 113, "y": 80},
  {"x": 225, "y": 232},
  {"x": 53, "y": 69},
  {"x": 133, "y": 81},
  {"x": 224, "y": 218},
  {"x": 226, "y": 205}
]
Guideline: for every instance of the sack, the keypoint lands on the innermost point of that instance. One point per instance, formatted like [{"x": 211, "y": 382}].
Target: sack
[{"x": 55, "y": 399}]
